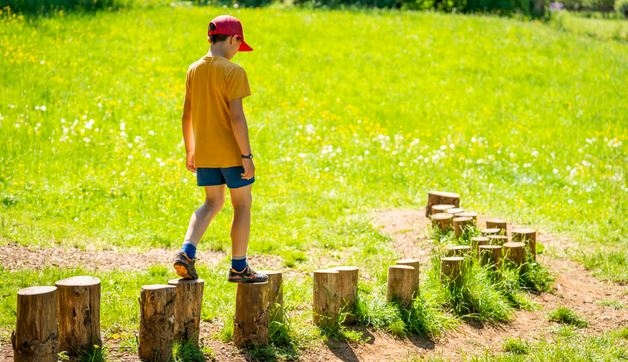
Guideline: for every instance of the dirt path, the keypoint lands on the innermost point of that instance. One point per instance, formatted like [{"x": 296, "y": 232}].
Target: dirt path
[{"x": 575, "y": 289}]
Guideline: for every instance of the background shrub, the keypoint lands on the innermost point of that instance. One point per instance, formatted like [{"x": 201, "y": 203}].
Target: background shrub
[{"x": 621, "y": 7}]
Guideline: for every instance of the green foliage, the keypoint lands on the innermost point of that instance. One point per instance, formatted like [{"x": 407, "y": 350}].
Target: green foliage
[
  {"x": 535, "y": 277},
  {"x": 567, "y": 316},
  {"x": 516, "y": 346},
  {"x": 621, "y": 7},
  {"x": 60, "y": 6},
  {"x": 189, "y": 352}
]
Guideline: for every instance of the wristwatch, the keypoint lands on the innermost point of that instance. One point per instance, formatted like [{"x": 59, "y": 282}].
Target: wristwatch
[{"x": 249, "y": 156}]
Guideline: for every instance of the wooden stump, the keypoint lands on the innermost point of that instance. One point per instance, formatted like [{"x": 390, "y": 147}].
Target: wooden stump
[
  {"x": 187, "y": 309},
  {"x": 527, "y": 236},
  {"x": 415, "y": 263},
  {"x": 157, "y": 304},
  {"x": 326, "y": 301},
  {"x": 401, "y": 284},
  {"x": 252, "y": 316},
  {"x": 441, "y": 197},
  {"x": 497, "y": 239},
  {"x": 442, "y": 221},
  {"x": 515, "y": 252},
  {"x": 275, "y": 296},
  {"x": 490, "y": 254},
  {"x": 35, "y": 335},
  {"x": 490, "y": 231},
  {"x": 348, "y": 284},
  {"x": 455, "y": 211},
  {"x": 497, "y": 224},
  {"x": 451, "y": 268},
  {"x": 78, "y": 313},
  {"x": 477, "y": 241},
  {"x": 462, "y": 224},
  {"x": 437, "y": 209},
  {"x": 471, "y": 214},
  {"x": 457, "y": 250}
]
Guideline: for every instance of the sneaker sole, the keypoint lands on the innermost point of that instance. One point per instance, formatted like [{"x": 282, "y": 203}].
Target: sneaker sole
[{"x": 182, "y": 271}]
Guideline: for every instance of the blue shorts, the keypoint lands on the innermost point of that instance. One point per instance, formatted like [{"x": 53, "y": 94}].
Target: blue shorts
[{"x": 220, "y": 176}]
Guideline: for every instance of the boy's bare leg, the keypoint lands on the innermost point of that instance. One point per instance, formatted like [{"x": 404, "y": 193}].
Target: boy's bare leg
[
  {"x": 241, "y": 227},
  {"x": 200, "y": 219}
]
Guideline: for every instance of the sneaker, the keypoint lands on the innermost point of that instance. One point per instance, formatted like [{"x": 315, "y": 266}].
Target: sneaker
[
  {"x": 247, "y": 275},
  {"x": 185, "y": 266}
]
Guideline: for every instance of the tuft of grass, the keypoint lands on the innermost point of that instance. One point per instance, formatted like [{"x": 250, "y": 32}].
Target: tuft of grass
[
  {"x": 516, "y": 346},
  {"x": 567, "y": 316},
  {"x": 190, "y": 352}
]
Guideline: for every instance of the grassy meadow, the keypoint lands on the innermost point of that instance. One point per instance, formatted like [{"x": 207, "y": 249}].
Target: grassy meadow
[{"x": 351, "y": 112}]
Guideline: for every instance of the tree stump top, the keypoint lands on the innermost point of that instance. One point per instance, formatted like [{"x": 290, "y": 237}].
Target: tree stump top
[
  {"x": 445, "y": 194},
  {"x": 471, "y": 214},
  {"x": 79, "y": 281},
  {"x": 454, "y": 210},
  {"x": 407, "y": 261},
  {"x": 401, "y": 267},
  {"x": 462, "y": 218},
  {"x": 36, "y": 290},
  {"x": 270, "y": 272},
  {"x": 452, "y": 259},
  {"x": 523, "y": 231},
  {"x": 490, "y": 231},
  {"x": 458, "y": 247},
  {"x": 490, "y": 246},
  {"x": 442, "y": 207},
  {"x": 157, "y": 287},
  {"x": 185, "y": 281},
  {"x": 480, "y": 238},
  {"x": 326, "y": 271},
  {"x": 441, "y": 216},
  {"x": 496, "y": 221},
  {"x": 514, "y": 244}
]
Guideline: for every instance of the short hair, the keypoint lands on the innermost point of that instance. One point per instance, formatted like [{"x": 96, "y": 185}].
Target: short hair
[{"x": 216, "y": 37}]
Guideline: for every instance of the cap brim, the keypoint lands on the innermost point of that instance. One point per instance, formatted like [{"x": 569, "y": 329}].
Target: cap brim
[{"x": 244, "y": 47}]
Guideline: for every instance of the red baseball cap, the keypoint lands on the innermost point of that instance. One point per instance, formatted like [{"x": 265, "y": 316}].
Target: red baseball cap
[{"x": 228, "y": 25}]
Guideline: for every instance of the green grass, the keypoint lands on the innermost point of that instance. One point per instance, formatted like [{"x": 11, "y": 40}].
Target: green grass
[
  {"x": 351, "y": 112},
  {"x": 567, "y": 316}
]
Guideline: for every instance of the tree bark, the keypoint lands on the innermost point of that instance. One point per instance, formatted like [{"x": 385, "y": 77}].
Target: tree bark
[
  {"x": 477, "y": 241},
  {"x": 462, "y": 224},
  {"x": 442, "y": 221},
  {"x": 441, "y": 197},
  {"x": 326, "y": 301},
  {"x": 498, "y": 224},
  {"x": 275, "y": 295},
  {"x": 515, "y": 252},
  {"x": 187, "y": 309},
  {"x": 415, "y": 263},
  {"x": 527, "y": 236},
  {"x": 252, "y": 316},
  {"x": 78, "y": 313},
  {"x": 451, "y": 268},
  {"x": 490, "y": 254},
  {"x": 157, "y": 303},
  {"x": 457, "y": 250},
  {"x": 436, "y": 209},
  {"x": 35, "y": 335},
  {"x": 348, "y": 284},
  {"x": 401, "y": 284}
]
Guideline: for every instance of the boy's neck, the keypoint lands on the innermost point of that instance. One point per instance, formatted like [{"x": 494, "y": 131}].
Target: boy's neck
[{"x": 217, "y": 51}]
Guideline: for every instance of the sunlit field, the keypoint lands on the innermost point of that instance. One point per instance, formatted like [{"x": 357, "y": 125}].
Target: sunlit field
[{"x": 351, "y": 112}]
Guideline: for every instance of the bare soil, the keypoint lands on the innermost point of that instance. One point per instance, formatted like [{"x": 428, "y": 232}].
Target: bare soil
[{"x": 575, "y": 288}]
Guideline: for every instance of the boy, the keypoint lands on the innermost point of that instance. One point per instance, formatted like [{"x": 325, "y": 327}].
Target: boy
[{"x": 217, "y": 146}]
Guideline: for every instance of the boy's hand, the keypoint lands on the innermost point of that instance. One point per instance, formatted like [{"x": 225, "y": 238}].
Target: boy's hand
[
  {"x": 189, "y": 162},
  {"x": 249, "y": 169}
]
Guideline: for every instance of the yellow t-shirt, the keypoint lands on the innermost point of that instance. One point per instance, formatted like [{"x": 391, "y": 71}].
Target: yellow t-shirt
[{"x": 211, "y": 83}]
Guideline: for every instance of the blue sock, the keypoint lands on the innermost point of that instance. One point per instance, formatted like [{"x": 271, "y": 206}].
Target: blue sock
[
  {"x": 238, "y": 263},
  {"x": 189, "y": 249}
]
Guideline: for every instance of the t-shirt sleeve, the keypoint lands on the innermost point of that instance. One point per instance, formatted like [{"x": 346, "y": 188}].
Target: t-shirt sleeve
[{"x": 237, "y": 84}]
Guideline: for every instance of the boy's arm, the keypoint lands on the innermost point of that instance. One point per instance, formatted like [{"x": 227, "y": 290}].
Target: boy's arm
[
  {"x": 188, "y": 134},
  {"x": 241, "y": 134}
]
